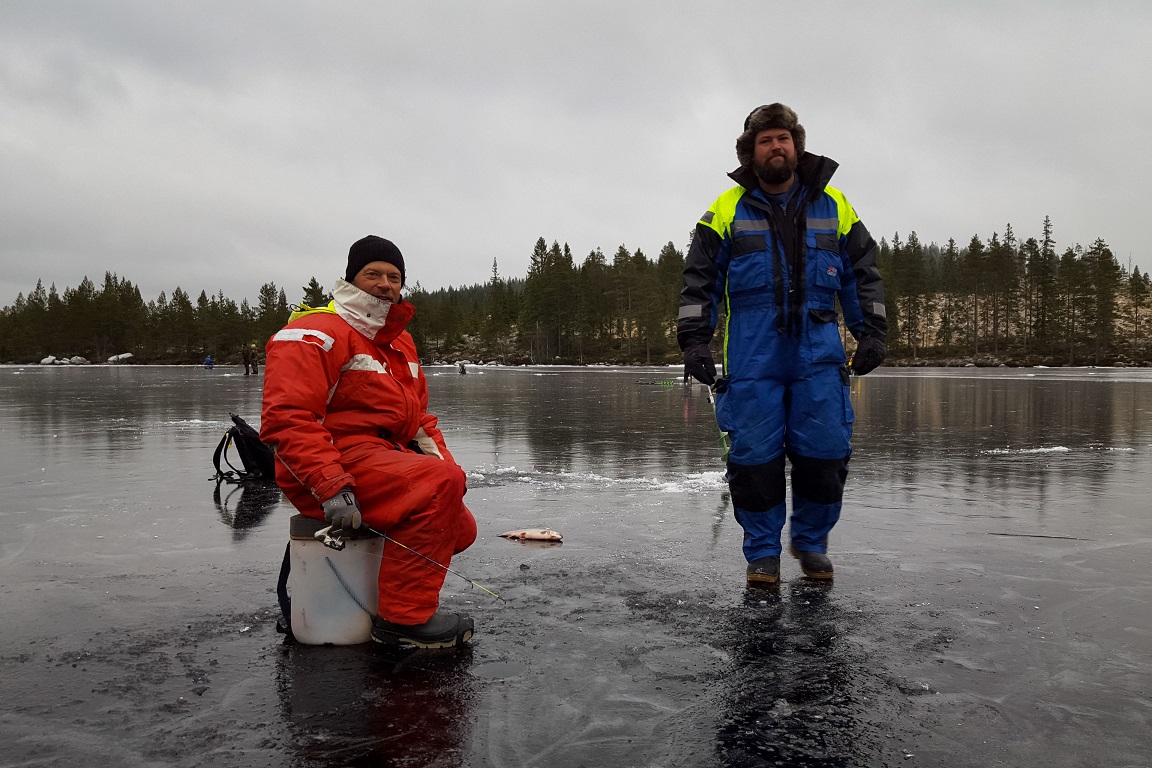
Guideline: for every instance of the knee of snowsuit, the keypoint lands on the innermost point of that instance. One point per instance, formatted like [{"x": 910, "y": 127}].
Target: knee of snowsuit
[
  {"x": 418, "y": 501},
  {"x": 809, "y": 420},
  {"x": 817, "y": 496},
  {"x": 759, "y": 501}
]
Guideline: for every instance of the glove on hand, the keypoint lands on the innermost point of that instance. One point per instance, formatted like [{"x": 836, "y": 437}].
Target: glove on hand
[
  {"x": 342, "y": 510},
  {"x": 870, "y": 352},
  {"x": 698, "y": 360}
]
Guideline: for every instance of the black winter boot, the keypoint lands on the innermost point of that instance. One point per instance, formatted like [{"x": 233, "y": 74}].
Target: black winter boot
[
  {"x": 766, "y": 570},
  {"x": 443, "y": 630},
  {"x": 815, "y": 565}
]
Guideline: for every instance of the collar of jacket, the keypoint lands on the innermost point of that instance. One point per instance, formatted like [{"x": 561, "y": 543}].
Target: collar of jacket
[
  {"x": 375, "y": 318},
  {"x": 813, "y": 172}
]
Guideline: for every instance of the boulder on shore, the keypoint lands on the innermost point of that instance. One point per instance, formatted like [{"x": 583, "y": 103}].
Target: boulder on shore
[{"x": 121, "y": 358}]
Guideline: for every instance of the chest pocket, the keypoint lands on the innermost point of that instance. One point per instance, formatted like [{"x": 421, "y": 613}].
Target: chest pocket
[
  {"x": 824, "y": 266},
  {"x": 750, "y": 265}
]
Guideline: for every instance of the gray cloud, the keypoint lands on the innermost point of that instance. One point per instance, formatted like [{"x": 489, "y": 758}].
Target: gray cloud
[{"x": 221, "y": 146}]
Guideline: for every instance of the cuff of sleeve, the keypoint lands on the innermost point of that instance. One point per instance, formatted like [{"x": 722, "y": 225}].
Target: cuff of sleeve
[{"x": 329, "y": 483}]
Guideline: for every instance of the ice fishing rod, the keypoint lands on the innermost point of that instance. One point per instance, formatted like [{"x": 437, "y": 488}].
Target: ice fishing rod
[
  {"x": 335, "y": 540},
  {"x": 714, "y": 389}
]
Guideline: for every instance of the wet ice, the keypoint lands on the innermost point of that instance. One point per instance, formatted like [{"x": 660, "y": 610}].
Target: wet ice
[{"x": 990, "y": 601}]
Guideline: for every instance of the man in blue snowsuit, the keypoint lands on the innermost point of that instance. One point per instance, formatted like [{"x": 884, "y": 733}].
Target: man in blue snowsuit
[{"x": 776, "y": 252}]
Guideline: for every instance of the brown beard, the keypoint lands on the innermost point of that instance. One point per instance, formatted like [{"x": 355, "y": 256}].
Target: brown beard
[{"x": 770, "y": 174}]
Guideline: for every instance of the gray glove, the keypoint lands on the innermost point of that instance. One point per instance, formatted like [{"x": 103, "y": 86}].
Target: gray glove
[{"x": 342, "y": 510}]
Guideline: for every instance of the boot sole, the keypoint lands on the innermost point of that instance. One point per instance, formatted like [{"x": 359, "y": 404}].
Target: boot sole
[
  {"x": 762, "y": 578},
  {"x": 395, "y": 640}
]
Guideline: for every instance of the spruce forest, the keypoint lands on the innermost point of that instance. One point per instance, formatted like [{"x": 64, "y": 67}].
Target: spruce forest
[{"x": 991, "y": 301}]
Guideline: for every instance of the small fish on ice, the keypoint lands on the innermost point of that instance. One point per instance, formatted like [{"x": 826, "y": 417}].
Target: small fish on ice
[{"x": 534, "y": 534}]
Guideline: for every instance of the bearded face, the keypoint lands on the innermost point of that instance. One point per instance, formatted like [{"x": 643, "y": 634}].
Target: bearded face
[{"x": 774, "y": 156}]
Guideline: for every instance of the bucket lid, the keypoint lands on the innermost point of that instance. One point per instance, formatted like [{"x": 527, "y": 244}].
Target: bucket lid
[{"x": 303, "y": 528}]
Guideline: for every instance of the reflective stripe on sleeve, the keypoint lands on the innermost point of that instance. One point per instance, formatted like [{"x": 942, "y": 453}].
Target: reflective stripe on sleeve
[
  {"x": 691, "y": 310},
  {"x": 307, "y": 335},
  {"x": 364, "y": 363}
]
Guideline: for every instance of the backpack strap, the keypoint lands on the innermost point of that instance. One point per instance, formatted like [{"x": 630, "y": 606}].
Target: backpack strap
[
  {"x": 218, "y": 453},
  {"x": 285, "y": 627}
]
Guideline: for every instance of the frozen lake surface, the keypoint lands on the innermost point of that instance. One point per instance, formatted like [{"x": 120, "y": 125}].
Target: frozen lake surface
[{"x": 991, "y": 605}]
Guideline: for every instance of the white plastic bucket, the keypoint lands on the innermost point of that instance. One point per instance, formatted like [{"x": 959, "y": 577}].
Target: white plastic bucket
[{"x": 334, "y": 592}]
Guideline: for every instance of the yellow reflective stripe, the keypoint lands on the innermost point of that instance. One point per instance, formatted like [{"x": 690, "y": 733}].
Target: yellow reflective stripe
[
  {"x": 727, "y": 335},
  {"x": 844, "y": 211}
]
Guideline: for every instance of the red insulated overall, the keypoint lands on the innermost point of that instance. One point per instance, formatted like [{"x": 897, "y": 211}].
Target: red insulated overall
[{"x": 345, "y": 404}]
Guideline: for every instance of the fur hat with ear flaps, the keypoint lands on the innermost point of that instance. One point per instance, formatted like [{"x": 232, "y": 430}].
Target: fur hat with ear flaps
[{"x": 762, "y": 118}]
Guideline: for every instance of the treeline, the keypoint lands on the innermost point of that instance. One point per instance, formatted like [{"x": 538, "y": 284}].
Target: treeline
[
  {"x": 600, "y": 311},
  {"x": 1003, "y": 298},
  {"x": 996, "y": 298},
  {"x": 99, "y": 322}
]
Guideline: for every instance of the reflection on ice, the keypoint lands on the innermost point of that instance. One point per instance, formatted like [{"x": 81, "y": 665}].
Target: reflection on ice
[
  {"x": 691, "y": 483},
  {"x": 1017, "y": 451},
  {"x": 989, "y": 606}
]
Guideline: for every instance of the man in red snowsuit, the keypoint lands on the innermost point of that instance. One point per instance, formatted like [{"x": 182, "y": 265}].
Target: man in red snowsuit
[{"x": 345, "y": 411}]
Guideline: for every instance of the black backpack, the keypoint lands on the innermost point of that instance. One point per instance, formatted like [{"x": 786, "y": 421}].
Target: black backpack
[{"x": 257, "y": 460}]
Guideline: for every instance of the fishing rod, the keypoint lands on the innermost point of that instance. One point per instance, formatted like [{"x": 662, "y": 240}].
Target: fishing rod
[
  {"x": 714, "y": 389},
  {"x": 335, "y": 540}
]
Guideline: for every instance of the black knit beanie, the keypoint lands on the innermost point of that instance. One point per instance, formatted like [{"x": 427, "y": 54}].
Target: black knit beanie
[
  {"x": 369, "y": 249},
  {"x": 762, "y": 118}
]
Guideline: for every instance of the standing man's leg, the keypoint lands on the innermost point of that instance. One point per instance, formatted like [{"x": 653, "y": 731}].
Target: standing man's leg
[
  {"x": 819, "y": 447},
  {"x": 752, "y": 413}
]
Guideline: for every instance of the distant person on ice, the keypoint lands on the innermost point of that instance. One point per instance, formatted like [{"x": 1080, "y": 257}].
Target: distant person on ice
[
  {"x": 251, "y": 359},
  {"x": 208, "y": 362},
  {"x": 777, "y": 250},
  {"x": 345, "y": 410}
]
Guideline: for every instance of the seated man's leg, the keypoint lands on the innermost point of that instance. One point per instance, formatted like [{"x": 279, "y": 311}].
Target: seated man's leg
[{"x": 417, "y": 500}]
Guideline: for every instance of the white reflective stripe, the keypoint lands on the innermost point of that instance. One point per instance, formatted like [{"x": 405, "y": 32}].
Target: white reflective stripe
[
  {"x": 307, "y": 335},
  {"x": 691, "y": 310},
  {"x": 415, "y": 368},
  {"x": 878, "y": 309},
  {"x": 364, "y": 363},
  {"x": 823, "y": 223},
  {"x": 427, "y": 444}
]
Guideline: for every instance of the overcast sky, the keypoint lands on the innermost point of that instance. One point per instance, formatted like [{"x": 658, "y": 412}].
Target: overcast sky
[{"x": 223, "y": 145}]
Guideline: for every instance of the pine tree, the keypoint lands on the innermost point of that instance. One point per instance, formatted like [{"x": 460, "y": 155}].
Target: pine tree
[
  {"x": 314, "y": 294},
  {"x": 972, "y": 265},
  {"x": 1106, "y": 278},
  {"x": 1138, "y": 289}
]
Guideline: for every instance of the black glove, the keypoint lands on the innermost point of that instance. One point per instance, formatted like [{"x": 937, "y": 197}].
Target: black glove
[
  {"x": 698, "y": 360},
  {"x": 342, "y": 510},
  {"x": 870, "y": 352}
]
